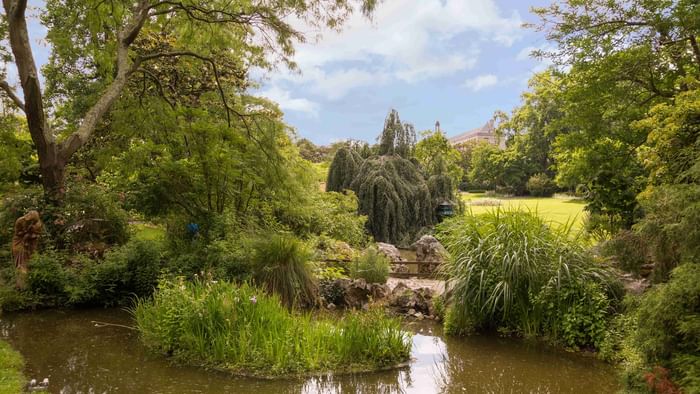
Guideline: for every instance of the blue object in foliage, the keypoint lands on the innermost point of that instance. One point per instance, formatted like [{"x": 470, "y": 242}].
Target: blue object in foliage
[{"x": 193, "y": 228}]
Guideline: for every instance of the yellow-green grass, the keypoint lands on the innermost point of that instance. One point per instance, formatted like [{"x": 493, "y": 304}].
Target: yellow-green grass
[
  {"x": 11, "y": 364},
  {"x": 558, "y": 209},
  {"x": 147, "y": 231}
]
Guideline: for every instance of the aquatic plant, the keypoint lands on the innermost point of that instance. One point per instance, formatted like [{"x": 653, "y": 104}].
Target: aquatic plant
[
  {"x": 241, "y": 329},
  {"x": 511, "y": 270}
]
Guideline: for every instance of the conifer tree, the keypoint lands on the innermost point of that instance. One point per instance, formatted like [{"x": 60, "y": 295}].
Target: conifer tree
[{"x": 343, "y": 169}]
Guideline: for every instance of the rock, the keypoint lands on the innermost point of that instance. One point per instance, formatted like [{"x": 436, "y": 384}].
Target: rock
[
  {"x": 393, "y": 254},
  {"x": 429, "y": 249},
  {"x": 408, "y": 301},
  {"x": 330, "y": 306},
  {"x": 357, "y": 293},
  {"x": 419, "y": 316}
]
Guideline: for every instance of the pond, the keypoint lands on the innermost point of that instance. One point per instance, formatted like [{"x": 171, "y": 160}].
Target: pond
[{"x": 79, "y": 357}]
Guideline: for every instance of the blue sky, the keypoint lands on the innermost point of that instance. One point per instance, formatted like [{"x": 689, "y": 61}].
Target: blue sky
[{"x": 456, "y": 61}]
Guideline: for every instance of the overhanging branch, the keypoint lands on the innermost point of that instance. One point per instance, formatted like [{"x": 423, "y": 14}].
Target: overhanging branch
[{"x": 11, "y": 94}]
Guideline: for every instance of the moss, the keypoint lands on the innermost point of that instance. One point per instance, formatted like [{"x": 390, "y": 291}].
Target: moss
[{"x": 12, "y": 379}]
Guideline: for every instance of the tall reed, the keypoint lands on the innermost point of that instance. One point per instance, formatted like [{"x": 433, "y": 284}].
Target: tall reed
[
  {"x": 511, "y": 269},
  {"x": 244, "y": 330}
]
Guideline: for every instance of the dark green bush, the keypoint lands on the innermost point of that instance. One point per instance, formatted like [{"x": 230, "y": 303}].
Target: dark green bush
[
  {"x": 128, "y": 271},
  {"x": 371, "y": 266},
  {"x": 627, "y": 249},
  {"x": 511, "y": 270},
  {"x": 281, "y": 266},
  {"x": 668, "y": 327},
  {"x": 540, "y": 185},
  {"x": 48, "y": 279}
]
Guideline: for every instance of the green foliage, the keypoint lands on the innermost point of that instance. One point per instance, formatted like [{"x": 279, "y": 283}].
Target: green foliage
[
  {"x": 397, "y": 138},
  {"x": 48, "y": 279},
  {"x": 627, "y": 249},
  {"x": 540, "y": 185},
  {"x": 436, "y": 155},
  {"x": 331, "y": 214},
  {"x": 512, "y": 270},
  {"x": 16, "y": 160},
  {"x": 12, "y": 380},
  {"x": 126, "y": 272},
  {"x": 243, "y": 330},
  {"x": 371, "y": 265},
  {"x": 667, "y": 331},
  {"x": 343, "y": 169},
  {"x": 281, "y": 266},
  {"x": 393, "y": 194}
]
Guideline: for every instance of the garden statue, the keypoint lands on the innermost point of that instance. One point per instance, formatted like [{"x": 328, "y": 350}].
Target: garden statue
[{"x": 25, "y": 242}]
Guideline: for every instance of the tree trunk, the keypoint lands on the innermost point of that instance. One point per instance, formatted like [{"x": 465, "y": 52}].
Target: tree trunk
[{"x": 53, "y": 170}]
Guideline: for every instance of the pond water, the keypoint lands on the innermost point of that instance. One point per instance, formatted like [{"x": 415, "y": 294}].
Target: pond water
[{"x": 79, "y": 357}]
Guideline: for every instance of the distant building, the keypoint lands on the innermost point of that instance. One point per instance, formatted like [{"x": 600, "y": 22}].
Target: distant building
[{"x": 485, "y": 133}]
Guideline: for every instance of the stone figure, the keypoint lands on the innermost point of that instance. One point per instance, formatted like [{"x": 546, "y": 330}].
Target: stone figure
[{"x": 25, "y": 242}]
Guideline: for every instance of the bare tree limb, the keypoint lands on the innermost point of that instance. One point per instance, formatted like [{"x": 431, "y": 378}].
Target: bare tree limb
[{"x": 11, "y": 94}]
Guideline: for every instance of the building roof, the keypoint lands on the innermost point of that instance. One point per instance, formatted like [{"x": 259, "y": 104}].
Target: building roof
[{"x": 486, "y": 130}]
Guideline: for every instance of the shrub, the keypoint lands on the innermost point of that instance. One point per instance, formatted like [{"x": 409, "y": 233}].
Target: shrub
[
  {"x": 47, "y": 279},
  {"x": 372, "y": 266},
  {"x": 513, "y": 271},
  {"x": 128, "y": 271},
  {"x": 281, "y": 266},
  {"x": 540, "y": 185},
  {"x": 627, "y": 249},
  {"x": 668, "y": 326},
  {"x": 243, "y": 330}
]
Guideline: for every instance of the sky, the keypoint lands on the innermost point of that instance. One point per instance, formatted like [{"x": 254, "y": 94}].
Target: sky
[
  {"x": 456, "y": 61},
  {"x": 453, "y": 61}
]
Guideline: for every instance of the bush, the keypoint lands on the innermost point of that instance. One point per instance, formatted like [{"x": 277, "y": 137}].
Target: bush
[
  {"x": 511, "y": 270},
  {"x": 47, "y": 279},
  {"x": 281, "y": 266},
  {"x": 372, "y": 266},
  {"x": 540, "y": 185},
  {"x": 243, "y": 330},
  {"x": 627, "y": 249},
  {"x": 128, "y": 271},
  {"x": 668, "y": 327}
]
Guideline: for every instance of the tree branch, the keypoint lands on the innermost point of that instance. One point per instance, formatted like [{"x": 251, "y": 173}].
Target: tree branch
[{"x": 11, "y": 94}]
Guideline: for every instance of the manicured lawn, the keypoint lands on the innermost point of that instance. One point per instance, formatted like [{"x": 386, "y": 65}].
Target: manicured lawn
[
  {"x": 11, "y": 363},
  {"x": 557, "y": 209}
]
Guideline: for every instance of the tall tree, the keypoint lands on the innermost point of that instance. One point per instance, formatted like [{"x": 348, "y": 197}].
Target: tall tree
[
  {"x": 107, "y": 44},
  {"x": 397, "y": 137}
]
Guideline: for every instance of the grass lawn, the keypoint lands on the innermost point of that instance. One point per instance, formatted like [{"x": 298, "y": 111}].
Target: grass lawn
[
  {"x": 11, "y": 363},
  {"x": 147, "y": 232},
  {"x": 557, "y": 209}
]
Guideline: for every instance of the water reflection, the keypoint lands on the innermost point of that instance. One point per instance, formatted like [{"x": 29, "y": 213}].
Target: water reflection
[{"x": 79, "y": 357}]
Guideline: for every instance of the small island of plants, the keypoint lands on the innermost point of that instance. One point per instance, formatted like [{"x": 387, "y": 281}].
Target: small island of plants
[{"x": 241, "y": 329}]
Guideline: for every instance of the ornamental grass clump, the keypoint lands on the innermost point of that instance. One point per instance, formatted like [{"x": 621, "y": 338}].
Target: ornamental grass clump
[
  {"x": 511, "y": 270},
  {"x": 372, "y": 266},
  {"x": 281, "y": 266},
  {"x": 244, "y": 330}
]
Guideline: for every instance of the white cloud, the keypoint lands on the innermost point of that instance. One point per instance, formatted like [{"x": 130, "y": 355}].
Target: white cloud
[
  {"x": 481, "y": 82},
  {"x": 287, "y": 102},
  {"x": 406, "y": 40}
]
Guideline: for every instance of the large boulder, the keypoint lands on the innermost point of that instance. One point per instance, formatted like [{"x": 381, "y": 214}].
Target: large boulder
[
  {"x": 352, "y": 293},
  {"x": 392, "y": 253},
  {"x": 414, "y": 302},
  {"x": 429, "y": 250}
]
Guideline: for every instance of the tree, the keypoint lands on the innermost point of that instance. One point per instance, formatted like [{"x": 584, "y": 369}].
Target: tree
[
  {"x": 394, "y": 195},
  {"x": 397, "y": 138},
  {"x": 343, "y": 169},
  {"x": 436, "y": 155},
  {"x": 105, "y": 45}
]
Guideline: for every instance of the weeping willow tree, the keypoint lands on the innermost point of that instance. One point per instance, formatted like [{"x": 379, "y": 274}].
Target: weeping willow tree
[
  {"x": 343, "y": 169},
  {"x": 440, "y": 185},
  {"x": 394, "y": 195},
  {"x": 397, "y": 138}
]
